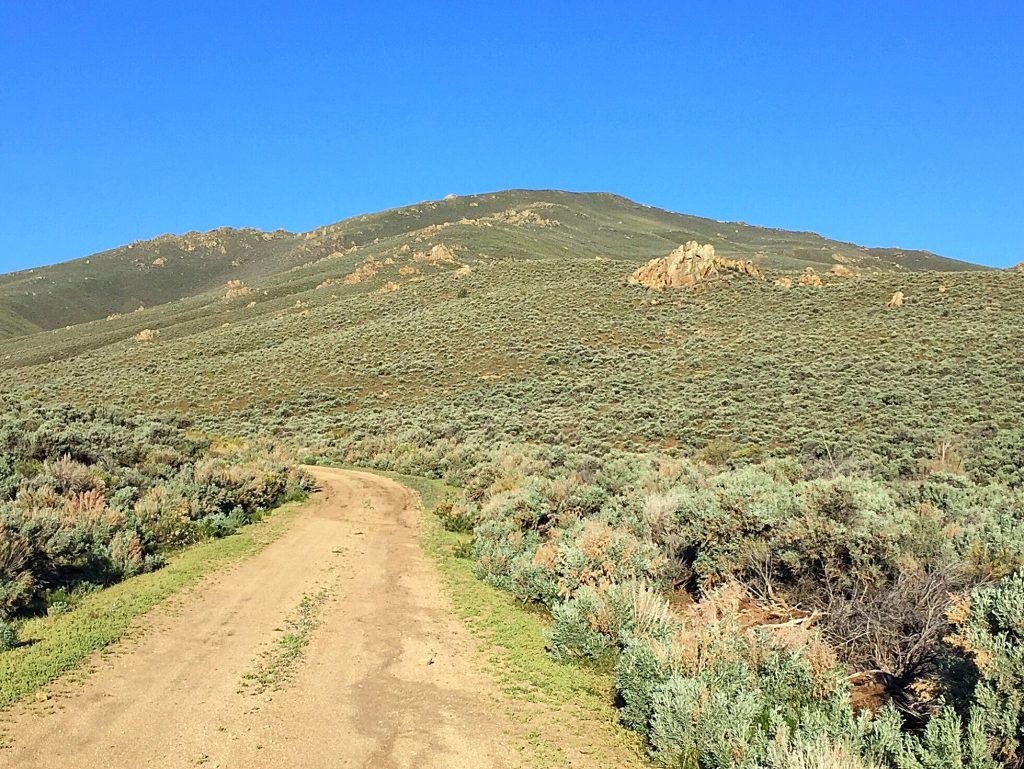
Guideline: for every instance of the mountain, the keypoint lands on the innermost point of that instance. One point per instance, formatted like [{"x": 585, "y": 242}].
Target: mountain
[
  {"x": 509, "y": 317},
  {"x": 550, "y": 224}
]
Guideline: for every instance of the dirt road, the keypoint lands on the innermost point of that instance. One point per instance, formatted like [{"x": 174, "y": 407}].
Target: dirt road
[{"x": 388, "y": 678}]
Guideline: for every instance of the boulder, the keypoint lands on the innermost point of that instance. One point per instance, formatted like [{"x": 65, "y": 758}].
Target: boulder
[
  {"x": 438, "y": 254},
  {"x": 842, "y": 271},
  {"x": 810, "y": 278},
  {"x": 896, "y": 301},
  {"x": 235, "y": 289},
  {"x": 742, "y": 266}
]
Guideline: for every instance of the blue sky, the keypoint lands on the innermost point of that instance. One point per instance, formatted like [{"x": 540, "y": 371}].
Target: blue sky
[{"x": 881, "y": 123}]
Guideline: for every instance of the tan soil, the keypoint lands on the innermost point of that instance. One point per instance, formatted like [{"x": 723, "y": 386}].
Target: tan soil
[{"x": 389, "y": 679}]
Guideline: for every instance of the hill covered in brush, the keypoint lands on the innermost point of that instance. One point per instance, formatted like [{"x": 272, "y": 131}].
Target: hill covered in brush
[
  {"x": 773, "y": 481},
  {"x": 511, "y": 317},
  {"x": 507, "y": 224}
]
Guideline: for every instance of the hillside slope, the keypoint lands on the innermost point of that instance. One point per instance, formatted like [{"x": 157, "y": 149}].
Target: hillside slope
[
  {"x": 167, "y": 268},
  {"x": 409, "y": 333}
]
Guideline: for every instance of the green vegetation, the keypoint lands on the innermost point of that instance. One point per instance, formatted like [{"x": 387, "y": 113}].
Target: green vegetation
[
  {"x": 783, "y": 524},
  {"x": 89, "y": 497},
  {"x": 278, "y": 664},
  {"x": 60, "y": 643}
]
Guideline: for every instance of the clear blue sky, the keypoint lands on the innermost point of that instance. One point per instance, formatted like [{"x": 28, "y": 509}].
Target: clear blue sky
[{"x": 895, "y": 123}]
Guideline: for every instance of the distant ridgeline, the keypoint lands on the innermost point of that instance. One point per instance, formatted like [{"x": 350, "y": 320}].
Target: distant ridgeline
[{"x": 514, "y": 223}]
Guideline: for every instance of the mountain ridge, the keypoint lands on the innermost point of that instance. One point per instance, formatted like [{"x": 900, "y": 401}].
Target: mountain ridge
[{"x": 170, "y": 267}]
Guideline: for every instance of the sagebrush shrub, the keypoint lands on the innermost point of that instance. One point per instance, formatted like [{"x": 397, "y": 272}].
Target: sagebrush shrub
[
  {"x": 457, "y": 517},
  {"x": 100, "y": 495},
  {"x": 990, "y": 629},
  {"x": 8, "y": 636},
  {"x": 643, "y": 666},
  {"x": 575, "y": 633},
  {"x": 945, "y": 743}
]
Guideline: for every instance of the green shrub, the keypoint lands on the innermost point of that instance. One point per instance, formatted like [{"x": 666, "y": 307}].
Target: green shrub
[
  {"x": 640, "y": 671},
  {"x": 815, "y": 753},
  {"x": 705, "y": 721},
  {"x": 8, "y": 636},
  {"x": 99, "y": 496},
  {"x": 944, "y": 743},
  {"x": 457, "y": 517},
  {"x": 990, "y": 629},
  {"x": 720, "y": 696},
  {"x": 575, "y": 633}
]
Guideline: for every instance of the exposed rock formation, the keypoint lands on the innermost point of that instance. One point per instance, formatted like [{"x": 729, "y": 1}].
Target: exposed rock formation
[
  {"x": 841, "y": 271},
  {"x": 146, "y": 335},
  {"x": 784, "y": 282},
  {"x": 1019, "y": 268},
  {"x": 688, "y": 266},
  {"x": 235, "y": 289},
  {"x": 742, "y": 266},
  {"x": 439, "y": 254},
  {"x": 897, "y": 300},
  {"x": 388, "y": 287},
  {"x": 365, "y": 271},
  {"x": 810, "y": 278},
  {"x": 517, "y": 217}
]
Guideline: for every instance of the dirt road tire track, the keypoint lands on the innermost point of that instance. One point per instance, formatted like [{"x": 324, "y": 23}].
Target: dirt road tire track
[{"x": 388, "y": 679}]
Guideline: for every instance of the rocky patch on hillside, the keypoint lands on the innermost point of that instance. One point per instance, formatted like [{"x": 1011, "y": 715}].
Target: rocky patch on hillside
[
  {"x": 146, "y": 335},
  {"x": 236, "y": 289},
  {"x": 691, "y": 265},
  {"x": 438, "y": 254},
  {"x": 810, "y": 278}
]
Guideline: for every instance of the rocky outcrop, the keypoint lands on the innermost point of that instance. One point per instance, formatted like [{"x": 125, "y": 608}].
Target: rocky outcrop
[
  {"x": 688, "y": 266},
  {"x": 841, "y": 271},
  {"x": 784, "y": 282},
  {"x": 439, "y": 254},
  {"x": 741, "y": 266},
  {"x": 146, "y": 335},
  {"x": 236, "y": 289},
  {"x": 810, "y": 278},
  {"x": 516, "y": 217},
  {"x": 1019, "y": 268},
  {"x": 897, "y": 300},
  {"x": 365, "y": 271}
]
